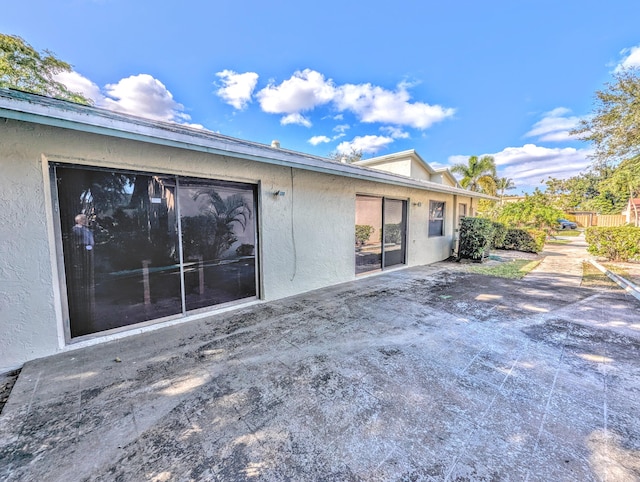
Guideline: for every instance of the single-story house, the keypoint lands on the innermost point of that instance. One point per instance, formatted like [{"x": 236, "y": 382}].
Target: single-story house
[{"x": 112, "y": 224}]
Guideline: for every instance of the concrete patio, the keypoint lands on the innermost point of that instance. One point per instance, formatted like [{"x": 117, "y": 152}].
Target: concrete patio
[{"x": 427, "y": 373}]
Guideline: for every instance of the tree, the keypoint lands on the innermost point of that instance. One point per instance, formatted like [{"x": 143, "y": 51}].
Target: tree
[
  {"x": 504, "y": 184},
  {"x": 23, "y": 68},
  {"x": 354, "y": 155},
  {"x": 624, "y": 184},
  {"x": 478, "y": 174},
  {"x": 614, "y": 127},
  {"x": 535, "y": 211},
  {"x": 214, "y": 230}
]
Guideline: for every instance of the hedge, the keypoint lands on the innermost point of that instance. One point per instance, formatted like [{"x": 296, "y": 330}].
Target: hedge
[
  {"x": 476, "y": 236},
  {"x": 499, "y": 233},
  {"x": 620, "y": 243},
  {"x": 529, "y": 241}
]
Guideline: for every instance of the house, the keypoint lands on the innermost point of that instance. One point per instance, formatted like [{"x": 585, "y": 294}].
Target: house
[
  {"x": 632, "y": 212},
  {"x": 113, "y": 224}
]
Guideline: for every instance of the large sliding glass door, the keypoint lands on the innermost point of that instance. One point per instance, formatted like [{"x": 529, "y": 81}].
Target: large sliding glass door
[
  {"x": 218, "y": 240},
  {"x": 139, "y": 247},
  {"x": 380, "y": 233}
]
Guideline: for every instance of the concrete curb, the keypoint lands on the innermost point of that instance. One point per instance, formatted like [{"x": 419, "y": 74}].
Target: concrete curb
[{"x": 624, "y": 283}]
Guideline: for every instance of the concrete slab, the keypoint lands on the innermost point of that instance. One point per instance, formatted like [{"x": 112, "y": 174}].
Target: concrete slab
[{"x": 418, "y": 374}]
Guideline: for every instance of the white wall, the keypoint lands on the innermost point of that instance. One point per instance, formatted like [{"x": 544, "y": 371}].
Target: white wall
[{"x": 307, "y": 236}]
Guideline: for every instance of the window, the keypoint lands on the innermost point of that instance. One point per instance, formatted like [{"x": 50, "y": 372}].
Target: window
[
  {"x": 381, "y": 226},
  {"x": 139, "y": 247},
  {"x": 436, "y": 218},
  {"x": 462, "y": 211}
]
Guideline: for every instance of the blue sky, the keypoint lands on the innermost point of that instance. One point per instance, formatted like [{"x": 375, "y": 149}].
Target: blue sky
[{"x": 448, "y": 79}]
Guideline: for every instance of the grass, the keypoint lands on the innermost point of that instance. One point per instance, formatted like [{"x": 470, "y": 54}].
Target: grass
[
  {"x": 567, "y": 232},
  {"x": 619, "y": 270},
  {"x": 592, "y": 277},
  {"x": 514, "y": 269}
]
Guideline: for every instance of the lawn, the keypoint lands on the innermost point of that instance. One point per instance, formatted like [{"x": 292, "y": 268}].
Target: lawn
[
  {"x": 592, "y": 277},
  {"x": 513, "y": 269},
  {"x": 567, "y": 232}
]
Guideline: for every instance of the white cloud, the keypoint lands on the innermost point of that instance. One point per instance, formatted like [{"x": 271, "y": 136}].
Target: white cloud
[
  {"x": 237, "y": 88},
  {"x": 295, "y": 118},
  {"x": 554, "y": 126},
  {"x": 342, "y": 128},
  {"x": 375, "y": 104},
  {"x": 631, "y": 59},
  {"x": 366, "y": 144},
  {"x": 140, "y": 95},
  {"x": 315, "y": 140},
  {"x": 529, "y": 165},
  {"x": 144, "y": 96},
  {"x": 78, "y": 83},
  {"x": 303, "y": 91},
  {"x": 395, "y": 132}
]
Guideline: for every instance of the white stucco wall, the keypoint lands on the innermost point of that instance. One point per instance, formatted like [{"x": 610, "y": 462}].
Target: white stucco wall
[
  {"x": 419, "y": 171},
  {"x": 307, "y": 236}
]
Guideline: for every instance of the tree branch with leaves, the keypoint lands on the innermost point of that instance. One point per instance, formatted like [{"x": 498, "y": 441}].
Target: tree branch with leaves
[
  {"x": 24, "y": 68},
  {"x": 614, "y": 127}
]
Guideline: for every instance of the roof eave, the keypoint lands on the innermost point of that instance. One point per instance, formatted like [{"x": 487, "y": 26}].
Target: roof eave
[{"x": 56, "y": 113}]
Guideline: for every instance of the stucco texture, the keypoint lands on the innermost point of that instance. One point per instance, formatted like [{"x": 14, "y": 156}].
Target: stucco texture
[{"x": 306, "y": 237}]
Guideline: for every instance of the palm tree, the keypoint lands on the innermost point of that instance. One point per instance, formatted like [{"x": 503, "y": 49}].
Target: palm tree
[
  {"x": 504, "y": 184},
  {"x": 223, "y": 214},
  {"x": 478, "y": 174}
]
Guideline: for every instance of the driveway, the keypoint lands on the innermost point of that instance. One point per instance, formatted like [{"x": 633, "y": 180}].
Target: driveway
[{"x": 425, "y": 373}]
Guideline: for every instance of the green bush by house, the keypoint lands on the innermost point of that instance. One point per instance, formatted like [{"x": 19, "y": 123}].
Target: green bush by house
[
  {"x": 499, "y": 233},
  {"x": 476, "y": 236},
  {"x": 529, "y": 240},
  {"x": 620, "y": 243}
]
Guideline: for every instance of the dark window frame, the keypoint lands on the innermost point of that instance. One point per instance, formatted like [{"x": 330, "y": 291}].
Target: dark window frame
[{"x": 437, "y": 210}]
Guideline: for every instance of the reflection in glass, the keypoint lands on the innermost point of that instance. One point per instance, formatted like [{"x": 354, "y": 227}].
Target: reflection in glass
[
  {"x": 368, "y": 244},
  {"x": 436, "y": 218},
  {"x": 394, "y": 232},
  {"x": 129, "y": 273},
  {"x": 218, "y": 239},
  {"x": 121, "y": 250}
]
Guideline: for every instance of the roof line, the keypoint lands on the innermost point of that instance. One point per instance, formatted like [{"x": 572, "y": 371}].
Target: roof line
[{"x": 26, "y": 107}]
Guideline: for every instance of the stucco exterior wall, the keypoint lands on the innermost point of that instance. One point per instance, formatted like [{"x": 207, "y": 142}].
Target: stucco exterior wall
[
  {"x": 306, "y": 236},
  {"x": 418, "y": 171},
  {"x": 398, "y": 166}
]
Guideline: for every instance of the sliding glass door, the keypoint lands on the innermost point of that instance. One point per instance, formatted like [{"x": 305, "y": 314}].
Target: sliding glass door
[
  {"x": 139, "y": 247},
  {"x": 395, "y": 231},
  {"x": 218, "y": 239},
  {"x": 380, "y": 233}
]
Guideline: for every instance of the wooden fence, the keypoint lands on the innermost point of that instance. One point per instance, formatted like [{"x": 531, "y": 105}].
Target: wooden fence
[{"x": 586, "y": 220}]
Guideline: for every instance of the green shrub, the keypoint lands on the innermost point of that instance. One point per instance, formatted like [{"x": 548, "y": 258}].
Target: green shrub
[
  {"x": 476, "y": 236},
  {"x": 363, "y": 232},
  {"x": 393, "y": 233},
  {"x": 499, "y": 233},
  {"x": 620, "y": 243},
  {"x": 529, "y": 241}
]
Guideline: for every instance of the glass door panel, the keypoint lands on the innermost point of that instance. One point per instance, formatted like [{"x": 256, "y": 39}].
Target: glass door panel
[
  {"x": 120, "y": 248},
  {"x": 395, "y": 228},
  {"x": 218, "y": 240},
  {"x": 368, "y": 242}
]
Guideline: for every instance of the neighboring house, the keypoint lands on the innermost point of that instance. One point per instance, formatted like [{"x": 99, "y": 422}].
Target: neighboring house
[
  {"x": 410, "y": 164},
  {"x": 112, "y": 224},
  {"x": 632, "y": 211}
]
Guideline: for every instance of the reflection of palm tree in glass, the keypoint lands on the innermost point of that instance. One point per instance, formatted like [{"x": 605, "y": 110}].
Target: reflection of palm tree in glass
[{"x": 224, "y": 214}]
